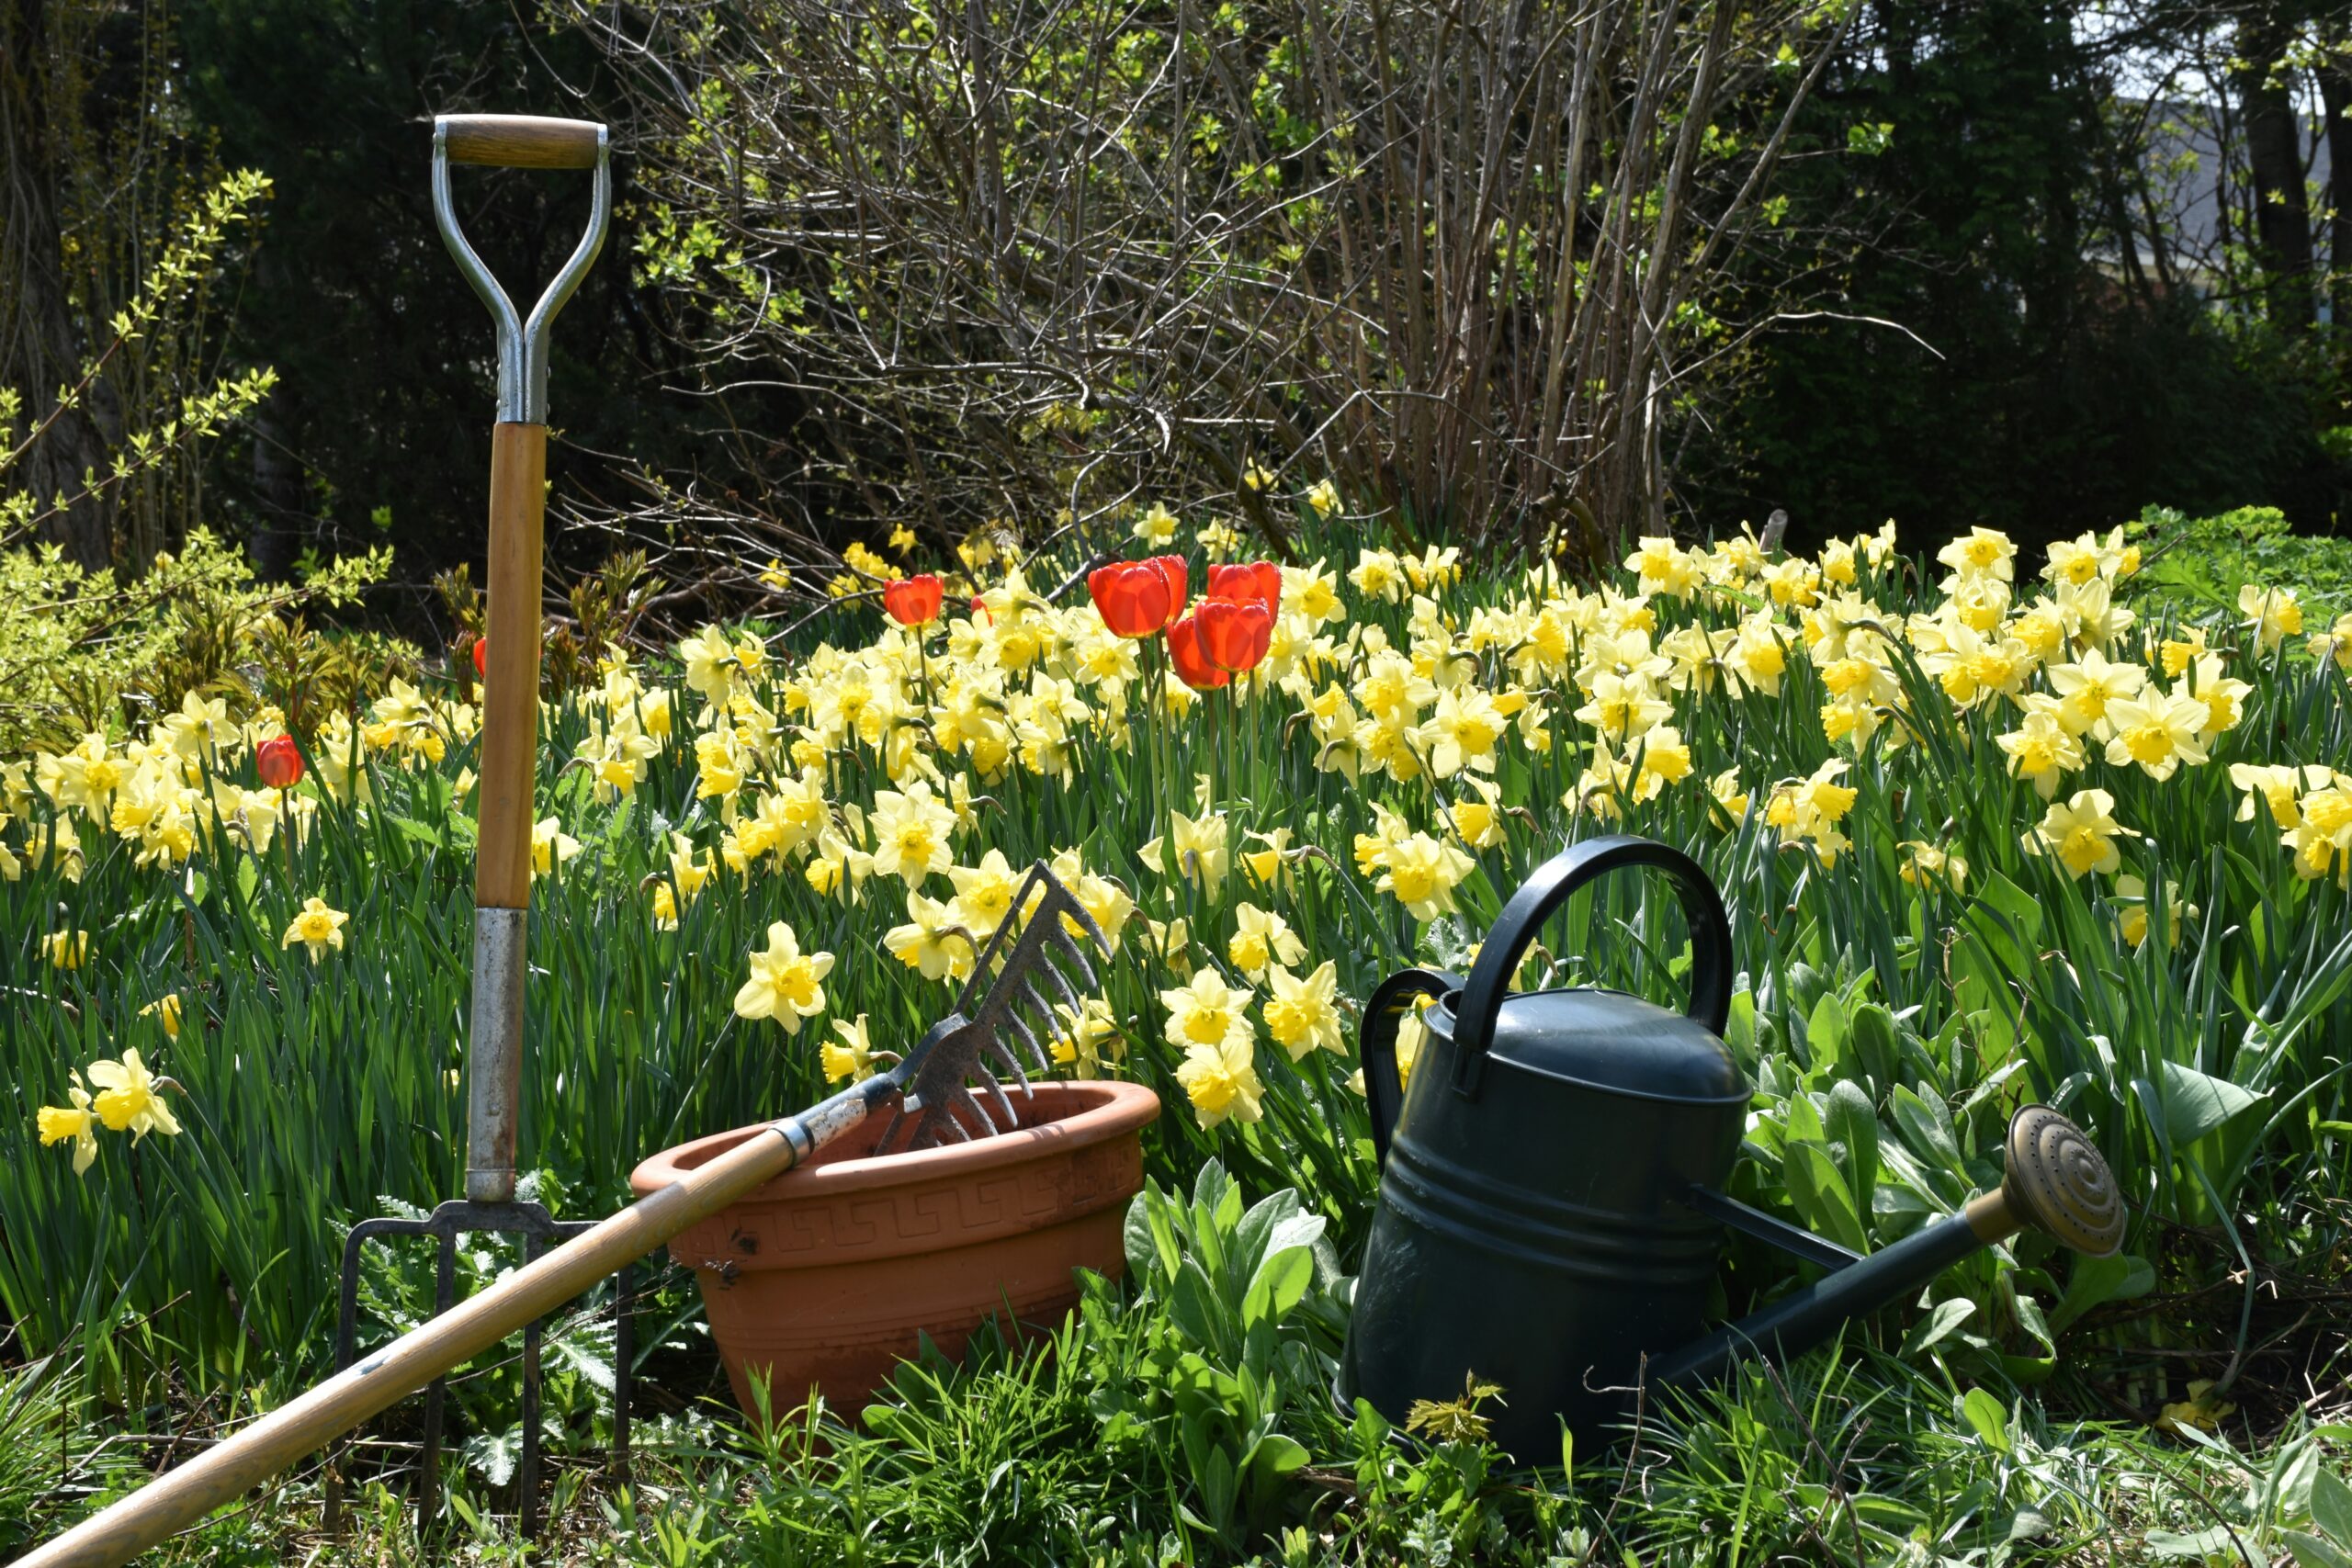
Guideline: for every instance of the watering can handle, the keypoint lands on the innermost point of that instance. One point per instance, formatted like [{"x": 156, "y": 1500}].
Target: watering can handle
[
  {"x": 1552, "y": 885},
  {"x": 1384, "y": 1092}
]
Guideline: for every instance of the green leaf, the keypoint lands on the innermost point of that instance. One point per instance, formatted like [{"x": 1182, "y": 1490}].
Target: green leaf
[
  {"x": 1989, "y": 1418},
  {"x": 2197, "y": 1103},
  {"x": 1926, "y": 1128},
  {"x": 1853, "y": 1122},
  {"x": 2332, "y": 1505},
  {"x": 1947, "y": 1317},
  {"x": 1277, "y": 1455},
  {"x": 1873, "y": 1043},
  {"x": 2312, "y": 1552},
  {"x": 1825, "y": 1032},
  {"x": 1137, "y": 1235},
  {"x": 1821, "y": 1196},
  {"x": 2097, "y": 1280},
  {"x": 1193, "y": 1307},
  {"x": 1280, "y": 1283}
]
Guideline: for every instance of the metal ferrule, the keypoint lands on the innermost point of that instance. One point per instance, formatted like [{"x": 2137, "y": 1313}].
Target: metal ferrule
[
  {"x": 494, "y": 1055},
  {"x": 522, "y": 344}
]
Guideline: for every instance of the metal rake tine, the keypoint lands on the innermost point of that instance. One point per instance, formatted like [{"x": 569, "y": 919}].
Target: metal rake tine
[
  {"x": 1045, "y": 1008},
  {"x": 995, "y": 1092},
  {"x": 1042, "y": 1058},
  {"x": 936, "y": 1118},
  {"x": 1011, "y": 1061},
  {"x": 1061, "y": 984},
  {"x": 1077, "y": 954}
]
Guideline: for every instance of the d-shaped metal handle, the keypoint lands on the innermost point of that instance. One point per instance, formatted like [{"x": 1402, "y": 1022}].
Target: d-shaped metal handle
[{"x": 522, "y": 142}]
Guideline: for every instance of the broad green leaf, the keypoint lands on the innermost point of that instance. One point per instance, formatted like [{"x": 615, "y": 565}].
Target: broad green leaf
[
  {"x": 1947, "y": 1317},
  {"x": 2314, "y": 1552},
  {"x": 1926, "y": 1128},
  {"x": 1821, "y": 1196},
  {"x": 2097, "y": 1280},
  {"x": 1825, "y": 1034},
  {"x": 1193, "y": 1307},
  {"x": 2197, "y": 1103},
  {"x": 1277, "y": 1455},
  {"x": 1987, "y": 1417},
  {"x": 1853, "y": 1122},
  {"x": 2332, "y": 1505},
  {"x": 1873, "y": 1043},
  {"x": 1280, "y": 1281}
]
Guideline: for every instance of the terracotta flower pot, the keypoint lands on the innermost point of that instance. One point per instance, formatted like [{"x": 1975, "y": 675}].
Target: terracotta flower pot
[{"x": 827, "y": 1276}]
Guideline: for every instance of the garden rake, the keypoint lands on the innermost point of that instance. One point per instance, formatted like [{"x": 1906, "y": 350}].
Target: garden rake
[
  {"x": 510, "y": 704},
  {"x": 947, "y": 1089}
]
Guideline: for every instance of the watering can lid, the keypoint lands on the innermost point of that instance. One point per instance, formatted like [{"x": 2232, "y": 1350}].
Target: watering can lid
[{"x": 1611, "y": 1040}]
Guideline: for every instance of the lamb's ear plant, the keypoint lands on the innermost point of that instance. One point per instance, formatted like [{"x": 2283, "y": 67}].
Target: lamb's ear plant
[{"x": 1245, "y": 1338}]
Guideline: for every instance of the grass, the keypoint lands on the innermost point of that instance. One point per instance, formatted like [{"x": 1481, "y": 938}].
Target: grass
[{"x": 1891, "y": 1012}]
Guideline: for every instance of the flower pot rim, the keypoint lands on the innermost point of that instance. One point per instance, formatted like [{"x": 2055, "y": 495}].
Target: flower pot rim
[{"x": 1119, "y": 1108}]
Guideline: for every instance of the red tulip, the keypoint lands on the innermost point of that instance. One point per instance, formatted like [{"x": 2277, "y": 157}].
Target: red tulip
[
  {"x": 1193, "y": 666},
  {"x": 1132, "y": 597},
  {"x": 1179, "y": 582},
  {"x": 1250, "y": 583},
  {"x": 1234, "y": 635},
  {"x": 481, "y": 657},
  {"x": 980, "y": 610},
  {"x": 279, "y": 762},
  {"x": 914, "y": 600}
]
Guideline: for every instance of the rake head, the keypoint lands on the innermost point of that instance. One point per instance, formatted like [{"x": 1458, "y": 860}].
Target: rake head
[{"x": 950, "y": 1094}]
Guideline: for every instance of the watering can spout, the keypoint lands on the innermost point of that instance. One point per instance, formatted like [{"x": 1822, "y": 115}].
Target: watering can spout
[{"x": 2054, "y": 1180}]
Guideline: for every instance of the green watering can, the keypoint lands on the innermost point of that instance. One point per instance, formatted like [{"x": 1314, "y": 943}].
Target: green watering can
[{"x": 1551, "y": 1211}]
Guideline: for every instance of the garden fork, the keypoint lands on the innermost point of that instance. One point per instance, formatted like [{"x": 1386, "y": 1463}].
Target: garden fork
[{"x": 510, "y": 703}]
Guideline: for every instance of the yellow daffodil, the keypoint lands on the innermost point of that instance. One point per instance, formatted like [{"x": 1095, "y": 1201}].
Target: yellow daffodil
[
  {"x": 2131, "y": 909},
  {"x": 1302, "y": 1014},
  {"x": 1206, "y": 1011},
  {"x": 911, "y": 834},
  {"x": 76, "y": 1121},
  {"x": 786, "y": 983},
  {"x": 1422, "y": 873},
  {"x": 550, "y": 846},
  {"x": 850, "y": 1055},
  {"x": 1931, "y": 865},
  {"x": 317, "y": 926},
  {"x": 131, "y": 1098},
  {"x": 165, "y": 1010},
  {"x": 1261, "y": 937},
  {"x": 2273, "y": 614},
  {"x": 932, "y": 940},
  {"x": 1086, "y": 1038},
  {"x": 2159, "y": 733},
  {"x": 984, "y": 893},
  {"x": 1220, "y": 1077},
  {"x": 2081, "y": 832},
  {"x": 66, "y": 950},
  {"x": 1194, "y": 849}
]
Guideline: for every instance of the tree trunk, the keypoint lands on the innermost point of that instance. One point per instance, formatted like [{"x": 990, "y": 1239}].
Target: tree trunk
[
  {"x": 40, "y": 349},
  {"x": 2274, "y": 152},
  {"x": 2336, "y": 98}
]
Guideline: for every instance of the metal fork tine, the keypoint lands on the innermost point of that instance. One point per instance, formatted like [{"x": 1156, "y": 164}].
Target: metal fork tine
[
  {"x": 1043, "y": 1059},
  {"x": 1005, "y": 1053},
  {"x": 1078, "y": 954},
  {"x": 1044, "y": 1008},
  {"x": 1061, "y": 984},
  {"x": 996, "y": 1093}
]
